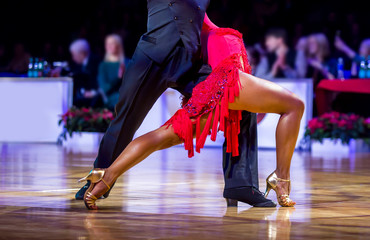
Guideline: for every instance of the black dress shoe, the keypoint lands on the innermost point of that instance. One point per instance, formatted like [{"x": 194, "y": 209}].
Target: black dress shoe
[
  {"x": 80, "y": 194},
  {"x": 249, "y": 195}
]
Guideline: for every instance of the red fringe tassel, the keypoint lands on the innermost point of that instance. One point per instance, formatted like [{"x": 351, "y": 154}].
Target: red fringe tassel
[{"x": 224, "y": 119}]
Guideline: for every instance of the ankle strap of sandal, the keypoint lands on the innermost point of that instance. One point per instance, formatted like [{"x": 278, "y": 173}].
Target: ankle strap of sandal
[
  {"x": 105, "y": 183},
  {"x": 282, "y": 180}
]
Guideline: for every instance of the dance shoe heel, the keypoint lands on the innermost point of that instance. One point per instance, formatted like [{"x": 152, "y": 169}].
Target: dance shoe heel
[
  {"x": 95, "y": 176},
  {"x": 231, "y": 202},
  {"x": 271, "y": 184}
]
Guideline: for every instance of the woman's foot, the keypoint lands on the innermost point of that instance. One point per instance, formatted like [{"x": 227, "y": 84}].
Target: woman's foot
[
  {"x": 282, "y": 192},
  {"x": 101, "y": 187},
  {"x": 282, "y": 189},
  {"x": 97, "y": 178}
]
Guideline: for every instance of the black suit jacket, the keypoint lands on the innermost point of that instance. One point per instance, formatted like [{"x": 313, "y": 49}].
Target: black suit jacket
[
  {"x": 86, "y": 76},
  {"x": 170, "y": 21}
]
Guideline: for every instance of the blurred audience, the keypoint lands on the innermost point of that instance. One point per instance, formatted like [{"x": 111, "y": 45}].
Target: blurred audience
[
  {"x": 47, "y": 52},
  {"x": 84, "y": 72},
  {"x": 362, "y": 55},
  {"x": 111, "y": 70},
  {"x": 19, "y": 62},
  {"x": 96, "y": 84},
  {"x": 254, "y": 56},
  {"x": 280, "y": 60},
  {"x": 319, "y": 64},
  {"x": 3, "y": 58},
  {"x": 301, "y": 63}
]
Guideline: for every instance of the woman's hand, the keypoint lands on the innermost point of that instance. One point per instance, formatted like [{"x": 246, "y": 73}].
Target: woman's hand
[
  {"x": 90, "y": 94},
  {"x": 280, "y": 63},
  {"x": 315, "y": 63},
  {"x": 330, "y": 76}
]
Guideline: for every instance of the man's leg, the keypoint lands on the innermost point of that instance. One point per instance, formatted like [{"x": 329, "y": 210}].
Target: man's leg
[
  {"x": 241, "y": 172},
  {"x": 143, "y": 84},
  {"x": 141, "y": 87}
]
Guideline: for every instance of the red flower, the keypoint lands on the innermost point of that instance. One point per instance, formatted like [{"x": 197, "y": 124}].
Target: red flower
[
  {"x": 64, "y": 119},
  {"x": 95, "y": 116},
  {"x": 108, "y": 115},
  {"x": 354, "y": 117},
  {"x": 335, "y": 114},
  {"x": 315, "y": 124},
  {"x": 367, "y": 121},
  {"x": 327, "y": 115},
  {"x": 342, "y": 123},
  {"x": 85, "y": 110},
  {"x": 334, "y": 121},
  {"x": 71, "y": 114},
  {"x": 78, "y": 112}
]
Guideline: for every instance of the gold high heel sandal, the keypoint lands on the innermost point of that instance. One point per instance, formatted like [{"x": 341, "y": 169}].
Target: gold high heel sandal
[
  {"x": 94, "y": 176},
  {"x": 271, "y": 183}
]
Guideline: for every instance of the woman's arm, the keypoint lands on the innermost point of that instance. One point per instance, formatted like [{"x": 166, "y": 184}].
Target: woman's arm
[{"x": 342, "y": 46}]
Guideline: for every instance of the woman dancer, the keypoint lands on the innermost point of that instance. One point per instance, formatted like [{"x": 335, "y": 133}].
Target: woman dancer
[{"x": 216, "y": 105}]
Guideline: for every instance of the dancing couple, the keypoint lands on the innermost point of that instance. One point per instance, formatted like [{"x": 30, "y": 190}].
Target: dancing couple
[{"x": 184, "y": 50}]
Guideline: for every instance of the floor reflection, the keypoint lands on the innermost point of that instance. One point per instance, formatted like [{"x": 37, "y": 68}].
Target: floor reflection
[
  {"x": 169, "y": 196},
  {"x": 271, "y": 223}
]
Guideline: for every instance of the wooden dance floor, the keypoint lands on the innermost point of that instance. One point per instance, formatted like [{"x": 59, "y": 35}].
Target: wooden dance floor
[{"x": 169, "y": 196}]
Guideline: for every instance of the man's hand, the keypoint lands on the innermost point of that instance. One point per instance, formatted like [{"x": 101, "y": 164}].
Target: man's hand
[
  {"x": 90, "y": 94},
  {"x": 280, "y": 63}
]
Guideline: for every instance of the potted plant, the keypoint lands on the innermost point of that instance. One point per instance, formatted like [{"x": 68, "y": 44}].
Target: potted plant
[
  {"x": 339, "y": 132},
  {"x": 84, "y": 125}
]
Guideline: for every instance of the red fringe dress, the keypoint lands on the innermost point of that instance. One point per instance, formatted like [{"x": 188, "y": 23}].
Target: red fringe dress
[{"x": 227, "y": 56}]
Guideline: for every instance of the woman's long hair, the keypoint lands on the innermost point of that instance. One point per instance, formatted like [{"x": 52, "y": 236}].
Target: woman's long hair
[
  {"x": 323, "y": 46},
  {"x": 365, "y": 48}
]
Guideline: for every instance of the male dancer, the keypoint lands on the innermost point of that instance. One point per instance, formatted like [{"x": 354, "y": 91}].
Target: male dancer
[{"x": 169, "y": 55}]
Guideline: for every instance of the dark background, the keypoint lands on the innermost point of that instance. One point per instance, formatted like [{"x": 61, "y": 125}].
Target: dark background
[{"x": 48, "y": 27}]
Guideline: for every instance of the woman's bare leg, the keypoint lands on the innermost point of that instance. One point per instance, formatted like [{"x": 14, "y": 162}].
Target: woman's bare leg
[
  {"x": 256, "y": 95},
  {"x": 261, "y": 96},
  {"x": 138, "y": 150},
  {"x": 135, "y": 152},
  {"x": 142, "y": 147}
]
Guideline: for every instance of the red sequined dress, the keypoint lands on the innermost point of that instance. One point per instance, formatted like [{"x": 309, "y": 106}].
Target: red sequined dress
[{"x": 227, "y": 56}]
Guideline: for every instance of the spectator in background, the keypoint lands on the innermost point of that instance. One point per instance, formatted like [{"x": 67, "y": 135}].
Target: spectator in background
[
  {"x": 47, "y": 52},
  {"x": 84, "y": 72},
  {"x": 280, "y": 60},
  {"x": 301, "y": 63},
  {"x": 3, "y": 58},
  {"x": 254, "y": 56},
  {"x": 319, "y": 65},
  {"x": 362, "y": 55},
  {"x": 111, "y": 70},
  {"x": 19, "y": 62}
]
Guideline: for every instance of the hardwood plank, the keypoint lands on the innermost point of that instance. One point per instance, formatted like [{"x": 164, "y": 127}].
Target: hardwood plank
[{"x": 169, "y": 196}]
